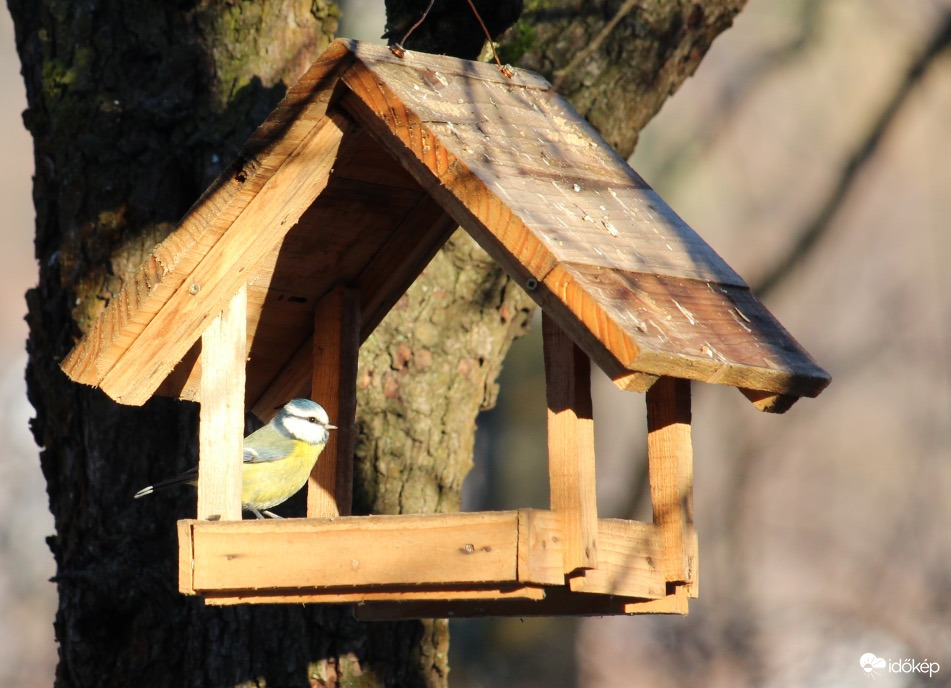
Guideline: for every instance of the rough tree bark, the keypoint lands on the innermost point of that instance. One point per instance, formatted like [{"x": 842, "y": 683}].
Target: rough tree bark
[{"x": 134, "y": 107}]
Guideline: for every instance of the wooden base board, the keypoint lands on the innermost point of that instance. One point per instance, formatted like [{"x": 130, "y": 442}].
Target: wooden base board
[
  {"x": 412, "y": 566},
  {"x": 556, "y": 602},
  {"x": 393, "y": 594}
]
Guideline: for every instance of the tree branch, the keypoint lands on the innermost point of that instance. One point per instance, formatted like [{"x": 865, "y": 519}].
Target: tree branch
[{"x": 817, "y": 228}]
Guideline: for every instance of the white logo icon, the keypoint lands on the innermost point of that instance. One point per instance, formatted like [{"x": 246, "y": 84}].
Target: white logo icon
[{"x": 870, "y": 664}]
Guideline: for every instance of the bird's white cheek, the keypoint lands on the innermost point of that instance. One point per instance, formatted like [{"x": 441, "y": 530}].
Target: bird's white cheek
[{"x": 306, "y": 431}]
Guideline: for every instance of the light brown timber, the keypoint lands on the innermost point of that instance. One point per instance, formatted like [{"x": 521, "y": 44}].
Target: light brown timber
[
  {"x": 670, "y": 468},
  {"x": 221, "y": 415},
  {"x": 336, "y": 350},
  {"x": 571, "y": 468}
]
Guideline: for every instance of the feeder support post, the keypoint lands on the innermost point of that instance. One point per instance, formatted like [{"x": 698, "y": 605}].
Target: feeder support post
[
  {"x": 221, "y": 416},
  {"x": 670, "y": 466},
  {"x": 571, "y": 445},
  {"x": 336, "y": 351}
]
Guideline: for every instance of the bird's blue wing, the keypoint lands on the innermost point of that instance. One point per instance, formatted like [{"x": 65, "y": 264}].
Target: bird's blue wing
[{"x": 266, "y": 444}]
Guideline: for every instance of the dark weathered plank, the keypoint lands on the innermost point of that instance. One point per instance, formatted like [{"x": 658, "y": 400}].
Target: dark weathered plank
[
  {"x": 438, "y": 67},
  {"x": 379, "y": 247},
  {"x": 441, "y": 138},
  {"x": 336, "y": 349},
  {"x": 145, "y": 292},
  {"x": 709, "y": 332}
]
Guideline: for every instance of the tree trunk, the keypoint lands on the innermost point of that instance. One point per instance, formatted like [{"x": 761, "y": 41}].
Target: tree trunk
[{"x": 134, "y": 107}]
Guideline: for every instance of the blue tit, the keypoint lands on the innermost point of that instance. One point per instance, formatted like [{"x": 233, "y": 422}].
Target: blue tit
[{"x": 278, "y": 457}]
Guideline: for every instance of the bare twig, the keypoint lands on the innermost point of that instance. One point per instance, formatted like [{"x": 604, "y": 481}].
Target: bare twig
[
  {"x": 583, "y": 55},
  {"x": 759, "y": 69},
  {"x": 814, "y": 230}
]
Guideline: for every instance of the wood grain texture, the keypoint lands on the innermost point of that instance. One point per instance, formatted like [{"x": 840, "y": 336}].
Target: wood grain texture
[
  {"x": 571, "y": 466},
  {"x": 541, "y": 558},
  {"x": 221, "y": 416},
  {"x": 376, "y": 247},
  {"x": 167, "y": 335},
  {"x": 536, "y": 155},
  {"x": 675, "y": 603},
  {"x": 186, "y": 557},
  {"x": 437, "y": 141},
  {"x": 714, "y": 333},
  {"x": 430, "y": 594},
  {"x": 548, "y": 199},
  {"x": 433, "y": 549},
  {"x": 628, "y": 556},
  {"x": 424, "y": 558},
  {"x": 335, "y": 353},
  {"x": 167, "y": 269},
  {"x": 670, "y": 468},
  {"x": 557, "y": 602}
]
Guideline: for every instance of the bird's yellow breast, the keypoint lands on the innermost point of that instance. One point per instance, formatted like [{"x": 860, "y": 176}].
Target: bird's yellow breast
[{"x": 269, "y": 483}]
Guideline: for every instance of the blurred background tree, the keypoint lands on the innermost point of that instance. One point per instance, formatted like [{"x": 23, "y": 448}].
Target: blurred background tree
[{"x": 811, "y": 151}]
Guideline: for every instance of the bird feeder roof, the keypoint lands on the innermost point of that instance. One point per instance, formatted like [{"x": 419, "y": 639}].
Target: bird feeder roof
[{"x": 363, "y": 171}]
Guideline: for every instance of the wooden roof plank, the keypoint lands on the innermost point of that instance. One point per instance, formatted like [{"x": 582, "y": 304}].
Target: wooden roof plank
[
  {"x": 461, "y": 194},
  {"x": 715, "y": 333},
  {"x": 165, "y": 339},
  {"x": 144, "y": 292},
  {"x": 507, "y": 159},
  {"x": 565, "y": 141},
  {"x": 609, "y": 222},
  {"x": 397, "y": 264}
]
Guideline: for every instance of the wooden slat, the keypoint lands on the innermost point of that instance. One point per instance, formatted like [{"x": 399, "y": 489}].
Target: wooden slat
[
  {"x": 670, "y": 468},
  {"x": 676, "y": 602},
  {"x": 768, "y": 401},
  {"x": 713, "y": 333},
  {"x": 410, "y": 594},
  {"x": 186, "y": 557},
  {"x": 398, "y": 262},
  {"x": 336, "y": 350},
  {"x": 528, "y": 147},
  {"x": 221, "y": 416},
  {"x": 571, "y": 467},
  {"x": 634, "y": 382},
  {"x": 439, "y": 68},
  {"x": 628, "y": 556},
  {"x": 461, "y": 194},
  {"x": 557, "y": 602},
  {"x": 541, "y": 558},
  {"x": 428, "y": 549},
  {"x": 261, "y": 225},
  {"x": 144, "y": 292},
  {"x": 559, "y": 195}
]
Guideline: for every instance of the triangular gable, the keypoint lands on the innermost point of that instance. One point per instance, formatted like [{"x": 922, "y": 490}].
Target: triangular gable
[{"x": 508, "y": 160}]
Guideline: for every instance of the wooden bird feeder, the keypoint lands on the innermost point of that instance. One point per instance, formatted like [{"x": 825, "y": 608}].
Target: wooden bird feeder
[{"x": 338, "y": 201}]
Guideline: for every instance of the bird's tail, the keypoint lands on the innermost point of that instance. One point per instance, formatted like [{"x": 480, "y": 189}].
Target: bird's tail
[{"x": 188, "y": 478}]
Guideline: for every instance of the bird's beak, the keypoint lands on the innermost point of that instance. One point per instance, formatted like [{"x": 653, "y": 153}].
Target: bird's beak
[{"x": 330, "y": 427}]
